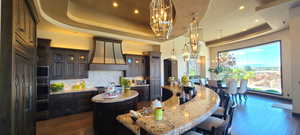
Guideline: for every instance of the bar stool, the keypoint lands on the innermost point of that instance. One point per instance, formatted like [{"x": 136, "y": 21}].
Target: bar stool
[
  {"x": 222, "y": 110},
  {"x": 213, "y": 125},
  {"x": 192, "y": 133}
]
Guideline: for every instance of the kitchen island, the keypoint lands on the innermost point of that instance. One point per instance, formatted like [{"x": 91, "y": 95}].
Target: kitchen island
[
  {"x": 107, "y": 109},
  {"x": 177, "y": 118}
]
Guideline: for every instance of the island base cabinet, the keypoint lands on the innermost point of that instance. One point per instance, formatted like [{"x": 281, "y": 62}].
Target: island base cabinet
[
  {"x": 70, "y": 103},
  {"x": 105, "y": 122}
]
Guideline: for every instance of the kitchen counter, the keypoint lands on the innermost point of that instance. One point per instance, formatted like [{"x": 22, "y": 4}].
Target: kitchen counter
[
  {"x": 141, "y": 85},
  {"x": 73, "y": 91},
  {"x": 123, "y": 97},
  {"x": 177, "y": 118}
]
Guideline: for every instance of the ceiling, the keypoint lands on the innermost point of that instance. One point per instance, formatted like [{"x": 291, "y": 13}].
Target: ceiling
[
  {"x": 224, "y": 18},
  {"x": 99, "y": 17},
  {"x": 125, "y": 9},
  {"x": 220, "y": 19}
]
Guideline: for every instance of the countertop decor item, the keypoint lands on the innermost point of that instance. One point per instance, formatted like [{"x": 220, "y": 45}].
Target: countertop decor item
[
  {"x": 55, "y": 87},
  {"x": 185, "y": 80},
  {"x": 125, "y": 83}
]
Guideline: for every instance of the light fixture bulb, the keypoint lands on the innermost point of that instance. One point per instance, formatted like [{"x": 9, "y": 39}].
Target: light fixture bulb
[
  {"x": 115, "y": 4},
  {"x": 136, "y": 11},
  {"x": 241, "y": 7}
]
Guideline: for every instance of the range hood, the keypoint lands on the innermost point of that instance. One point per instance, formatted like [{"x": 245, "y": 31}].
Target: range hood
[{"x": 107, "y": 54}]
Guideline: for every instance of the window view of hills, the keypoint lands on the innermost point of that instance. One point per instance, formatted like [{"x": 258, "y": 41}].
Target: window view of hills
[{"x": 265, "y": 62}]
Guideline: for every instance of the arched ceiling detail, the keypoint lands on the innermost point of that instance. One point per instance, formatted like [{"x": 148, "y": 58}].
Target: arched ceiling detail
[{"x": 87, "y": 16}]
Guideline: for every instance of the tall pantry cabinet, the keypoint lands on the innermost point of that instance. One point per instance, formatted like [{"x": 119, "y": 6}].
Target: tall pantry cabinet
[{"x": 24, "y": 67}]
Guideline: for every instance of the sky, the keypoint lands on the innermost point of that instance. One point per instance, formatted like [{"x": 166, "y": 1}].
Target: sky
[{"x": 267, "y": 55}]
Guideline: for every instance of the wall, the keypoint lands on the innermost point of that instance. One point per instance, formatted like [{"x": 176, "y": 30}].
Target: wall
[
  {"x": 96, "y": 79},
  {"x": 82, "y": 41},
  {"x": 178, "y": 43},
  {"x": 286, "y": 54},
  {"x": 294, "y": 24}
]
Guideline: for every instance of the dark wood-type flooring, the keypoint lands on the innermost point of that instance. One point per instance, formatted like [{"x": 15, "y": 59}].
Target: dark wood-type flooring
[{"x": 257, "y": 117}]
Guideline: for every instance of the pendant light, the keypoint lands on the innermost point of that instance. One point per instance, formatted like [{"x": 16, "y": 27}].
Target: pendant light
[
  {"x": 161, "y": 18},
  {"x": 173, "y": 53},
  {"x": 195, "y": 33}
]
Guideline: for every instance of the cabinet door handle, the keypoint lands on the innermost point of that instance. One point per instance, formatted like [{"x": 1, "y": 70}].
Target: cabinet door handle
[{"x": 21, "y": 29}]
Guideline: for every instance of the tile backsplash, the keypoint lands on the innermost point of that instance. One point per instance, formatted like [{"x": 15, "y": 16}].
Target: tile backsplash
[{"x": 96, "y": 78}]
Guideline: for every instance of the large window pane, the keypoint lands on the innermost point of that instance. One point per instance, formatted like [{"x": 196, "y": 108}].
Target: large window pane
[{"x": 264, "y": 61}]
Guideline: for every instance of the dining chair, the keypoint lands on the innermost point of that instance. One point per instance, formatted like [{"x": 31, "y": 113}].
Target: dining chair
[
  {"x": 213, "y": 125},
  {"x": 213, "y": 84},
  {"x": 192, "y": 133},
  {"x": 232, "y": 90},
  {"x": 242, "y": 90},
  {"x": 222, "y": 111},
  {"x": 202, "y": 82}
]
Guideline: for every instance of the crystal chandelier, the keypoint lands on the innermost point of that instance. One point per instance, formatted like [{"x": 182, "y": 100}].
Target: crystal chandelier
[
  {"x": 195, "y": 39},
  {"x": 161, "y": 18},
  {"x": 186, "y": 52}
]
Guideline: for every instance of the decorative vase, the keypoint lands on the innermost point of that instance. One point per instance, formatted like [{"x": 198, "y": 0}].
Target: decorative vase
[{"x": 126, "y": 89}]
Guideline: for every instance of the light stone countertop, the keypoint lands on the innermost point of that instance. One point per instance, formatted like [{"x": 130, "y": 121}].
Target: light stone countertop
[
  {"x": 73, "y": 91},
  {"x": 123, "y": 97},
  {"x": 177, "y": 118}
]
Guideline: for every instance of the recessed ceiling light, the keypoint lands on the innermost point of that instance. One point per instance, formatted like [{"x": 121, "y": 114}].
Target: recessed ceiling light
[
  {"x": 256, "y": 20},
  {"x": 244, "y": 29},
  {"x": 136, "y": 11},
  {"x": 241, "y": 7},
  {"x": 115, "y": 4}
]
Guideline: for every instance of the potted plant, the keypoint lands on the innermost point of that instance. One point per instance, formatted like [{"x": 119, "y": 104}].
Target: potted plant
[
  {"x": 218, "y": 70},
  {"x": 56, "y": 87},
  {"x": 125, "y": 83},
  {"x": 185, "y": 80}
]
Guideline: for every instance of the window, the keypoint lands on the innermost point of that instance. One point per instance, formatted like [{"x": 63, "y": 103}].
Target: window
[
  {"x": 193, "y": 68},
  {"x": 264, "y": 61}
]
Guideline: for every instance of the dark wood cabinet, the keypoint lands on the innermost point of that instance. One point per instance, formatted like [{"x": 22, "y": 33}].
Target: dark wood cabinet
[
  {"x": 136, "y": 64},
  {"x": 70, "y": 103},
  {"x": 170, "y": 70},
  {"x": 57, "y": 64},
  {"x": 83, "y": 65},
  {"x": 68, "y": 64},
  {"x": 25, "y": 91},
  {"x": 24, "y": 69},
  {"x": 18, "y": 68},
  {"x": 143, "y": 91},
  {"x": 25, "y": 24},
  {"x": 153, "y": 73}
]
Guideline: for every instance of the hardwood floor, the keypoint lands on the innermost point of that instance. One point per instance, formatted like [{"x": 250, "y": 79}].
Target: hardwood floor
[
  {"x": 257, "y": 117},
  {"x": 78, "y": 124}
]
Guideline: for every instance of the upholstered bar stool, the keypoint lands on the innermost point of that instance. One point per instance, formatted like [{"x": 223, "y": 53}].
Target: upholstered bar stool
[{"x": 213, "y": 125}]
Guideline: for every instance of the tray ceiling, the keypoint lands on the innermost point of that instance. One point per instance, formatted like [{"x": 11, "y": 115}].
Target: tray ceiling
[{"x": 100, "y": 18}]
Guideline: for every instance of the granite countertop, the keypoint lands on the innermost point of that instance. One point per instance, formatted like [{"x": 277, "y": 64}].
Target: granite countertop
[
  {"x": 124, "y": 96},
  {"x": 73, "y": 91},
  {"x": 177, "y": 118},
  {"x": 140, "y": 85}
]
